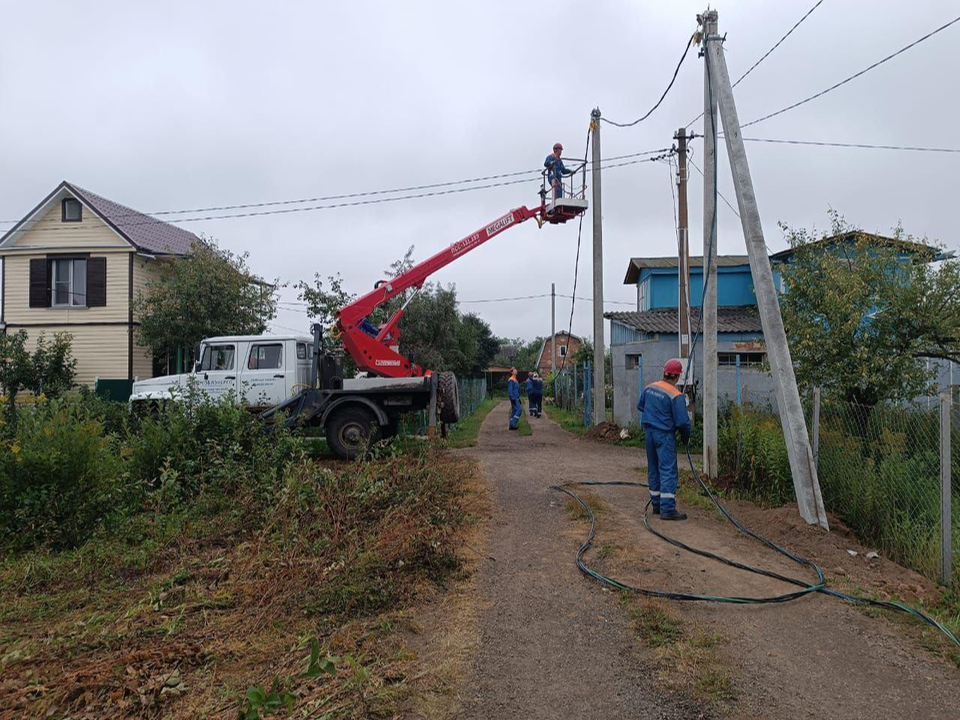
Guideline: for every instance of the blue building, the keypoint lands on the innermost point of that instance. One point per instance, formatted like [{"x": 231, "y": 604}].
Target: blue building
[{"x": 644, "y": 339}]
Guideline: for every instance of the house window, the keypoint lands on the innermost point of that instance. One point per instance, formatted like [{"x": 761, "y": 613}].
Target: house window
[
  {"x": 68, "y": 283},
  {"x": 266, "y": 357},
  {"x": 633, "y": 361},
  {"x": 747, "y": 359},
  {"x": 563, "y": 350},
  {"x": 71, "y": 210},
  {"x": 217, "y": 357}
]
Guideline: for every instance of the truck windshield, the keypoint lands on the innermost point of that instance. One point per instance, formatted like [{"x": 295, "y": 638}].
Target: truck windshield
[{"x": 217, "y": 357}]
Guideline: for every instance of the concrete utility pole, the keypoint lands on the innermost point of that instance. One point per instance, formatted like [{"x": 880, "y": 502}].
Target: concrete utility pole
[
  {"x": 599, "y": 380},
  {"x": 708, "y": 307},
  {"x": 802, "y": 464},
  {"x": 553, "y": 329},
  {"x": 684, "y": 243}
]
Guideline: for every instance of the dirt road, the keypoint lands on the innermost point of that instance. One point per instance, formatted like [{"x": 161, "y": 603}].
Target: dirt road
[{"x": 555, "y": 645}]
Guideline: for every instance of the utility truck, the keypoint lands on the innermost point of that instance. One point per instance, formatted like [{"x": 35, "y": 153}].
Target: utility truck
[{"x": 300, "y": 378}]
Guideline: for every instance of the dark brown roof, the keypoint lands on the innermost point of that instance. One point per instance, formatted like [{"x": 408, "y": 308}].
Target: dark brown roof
[
  {"x": 739, "y": 319},
  {"x": 638, "y": 263},
  {"x": 140, "y": 230}
]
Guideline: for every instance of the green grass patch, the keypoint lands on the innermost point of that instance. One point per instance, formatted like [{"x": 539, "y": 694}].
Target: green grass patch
[
  {"x": 654, "y": 624},
  {"x": 465, "y": 433},
  {"x": 524, "y": 426},
  {"x": 569, "y": 420}
]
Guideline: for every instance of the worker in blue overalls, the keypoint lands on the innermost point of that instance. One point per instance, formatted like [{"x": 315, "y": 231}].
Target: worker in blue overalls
[
  {"x": 513, "y": 392},
  {"x": 538, "y": 393},
  {"x": 556, "y": 170},
  {"x": 663, "y": 412},
  {"x": 528, "y": 386}
]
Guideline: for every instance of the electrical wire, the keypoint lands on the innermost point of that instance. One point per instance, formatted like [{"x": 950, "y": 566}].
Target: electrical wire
[
  {"x": 766, "y": 54},
  {"x": 662, "y": 97},
  {"x": 376, "y": 201},
  {"x": 697, "y": 168},
  {"x": 854, "y": 76},
  {"x": 866, "y": 146},
  {"x": 369, "y": 193}
]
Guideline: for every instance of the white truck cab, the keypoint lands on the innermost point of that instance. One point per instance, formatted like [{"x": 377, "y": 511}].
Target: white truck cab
[{"x": 260, "y": 370}]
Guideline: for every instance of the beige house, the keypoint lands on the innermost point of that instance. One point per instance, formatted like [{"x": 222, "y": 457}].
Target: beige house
[{"x": 75, "y": 263}]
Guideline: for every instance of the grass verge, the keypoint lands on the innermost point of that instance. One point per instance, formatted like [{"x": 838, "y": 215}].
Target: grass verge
[
  {"x": 689, "y": 659},
  {"x": 296, "y": 594},
  {"x": 524, "y": 427},
  {"x": 465, "y": 433}
]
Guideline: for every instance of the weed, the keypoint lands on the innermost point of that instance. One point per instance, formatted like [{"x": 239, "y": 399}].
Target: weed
[{"x": 654, "y": 624}]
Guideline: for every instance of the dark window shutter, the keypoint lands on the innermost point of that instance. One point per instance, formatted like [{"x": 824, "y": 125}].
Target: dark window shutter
[
  {"x": 96, "y": 282},
  {"x": 39, "y": 283}
]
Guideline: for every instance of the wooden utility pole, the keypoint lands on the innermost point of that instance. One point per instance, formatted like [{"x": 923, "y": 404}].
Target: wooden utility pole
[
  {"x": 684, "y": 243},
  {"x": 708, "y": 306},
  {"x": 800, "y": 454},
  {"x": 599, "y": 381}
]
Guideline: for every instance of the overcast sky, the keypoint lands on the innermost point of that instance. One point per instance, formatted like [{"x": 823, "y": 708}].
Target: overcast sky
[{"x": 181, "y": 105}]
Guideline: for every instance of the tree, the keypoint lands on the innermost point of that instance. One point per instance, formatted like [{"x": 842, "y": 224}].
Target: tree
[
  {"x": 487, "y": 345},
  {"x": 863, "y": 314},
  {"x": 50, "y": 369},
  {"x": 206, "y": 293}
]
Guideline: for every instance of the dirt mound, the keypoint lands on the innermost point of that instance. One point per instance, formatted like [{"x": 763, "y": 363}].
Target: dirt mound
[{"x": 605, "y": 431}]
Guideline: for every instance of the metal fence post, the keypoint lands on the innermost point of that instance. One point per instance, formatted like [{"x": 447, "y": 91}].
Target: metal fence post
[
  {"x": 739, "y": 396},
  {"x": 946, "y": 549},
  {"x": 815, "y": 426},
  {"x": 639, "y": 383}
]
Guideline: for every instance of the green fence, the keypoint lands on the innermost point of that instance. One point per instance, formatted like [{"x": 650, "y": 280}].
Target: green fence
[
  {"x": 881, "y": 471},
  {"x": 473, "y": 391},
  {"x": 573, "y": 390}
]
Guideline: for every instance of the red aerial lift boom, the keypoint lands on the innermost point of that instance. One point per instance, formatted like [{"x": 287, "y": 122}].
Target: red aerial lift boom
[
  {"x": 376, "y": 349},
  {"x": 357, "y": 411}
]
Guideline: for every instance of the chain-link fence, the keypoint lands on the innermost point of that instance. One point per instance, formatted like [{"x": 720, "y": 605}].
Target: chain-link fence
[
  {"x": 879, "y": 470},
  {"x": 473, "y": 391},
  {"x": 573, "y": 390},
  {"x": 890, "y": 472}
]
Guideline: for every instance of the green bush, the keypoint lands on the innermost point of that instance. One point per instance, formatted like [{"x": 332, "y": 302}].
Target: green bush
[
  {"x": 60, "y": 475},
  {"x": 74, "y": 465},
  {"x": 753, "y": 455}
]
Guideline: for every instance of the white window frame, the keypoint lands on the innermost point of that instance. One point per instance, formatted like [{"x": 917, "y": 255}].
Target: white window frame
[{"x": 76, "y": 295}]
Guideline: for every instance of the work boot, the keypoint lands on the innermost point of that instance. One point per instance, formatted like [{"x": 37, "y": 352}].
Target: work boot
[
  {"x": 676, "y": 515},
  {"x": 655, "y": 510}
]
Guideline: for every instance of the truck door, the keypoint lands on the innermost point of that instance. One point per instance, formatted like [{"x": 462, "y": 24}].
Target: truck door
[
  {"x": 264, "y": 375},
  {"x": 217, "y": 372}
]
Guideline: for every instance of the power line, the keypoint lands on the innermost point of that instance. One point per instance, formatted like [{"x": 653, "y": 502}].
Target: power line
[
  {"x": 766, "y": 54},
  {"x": 697, "y": 168},
  {"x": 853, "y": 145},
  {"x": 672, "y": 81},
  {"x": 375, "y": 201},
  {"x": 368, "y": 193},
  {"x": 854, "y": 76}
]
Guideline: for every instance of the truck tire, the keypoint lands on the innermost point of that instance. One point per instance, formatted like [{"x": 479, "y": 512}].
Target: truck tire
[
  {"x": 448, "y": 398},
  {"x": 351, "y": 430}
]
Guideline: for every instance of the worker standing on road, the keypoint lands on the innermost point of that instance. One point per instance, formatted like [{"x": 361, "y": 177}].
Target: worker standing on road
[
  {"x": 538, "y": 393},
  {"x": 513, "y": 392},
  {"x": 663, "y": 412},
  {"x": 556, "y": 170},
  {"x": 528, "y": 386}
]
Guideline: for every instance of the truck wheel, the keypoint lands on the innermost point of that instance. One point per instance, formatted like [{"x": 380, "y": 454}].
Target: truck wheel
[
  {"x": 351, "y": 430},
  {"x": 448, "y": 398}
]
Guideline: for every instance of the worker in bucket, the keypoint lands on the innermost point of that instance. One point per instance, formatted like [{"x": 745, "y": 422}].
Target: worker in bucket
[
  {"x": 556, "y": 170},
  {"x": 663, "y": 412},
  {"x": 513, "y": 392}
]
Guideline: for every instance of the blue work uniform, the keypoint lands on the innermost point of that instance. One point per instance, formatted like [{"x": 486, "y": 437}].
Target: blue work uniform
[
  {"x": 528, "y": 386},
  {"x": 663, "y": 411},
  {"x": 556, "y": 171},
  {"x": 538, "y": 395},
  {"x": 516, "y": 409}
]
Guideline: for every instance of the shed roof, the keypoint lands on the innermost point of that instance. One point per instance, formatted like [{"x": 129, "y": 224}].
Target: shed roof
[
  {"x": 730, "y": 319},
  {"x": 640, "y": 263}
]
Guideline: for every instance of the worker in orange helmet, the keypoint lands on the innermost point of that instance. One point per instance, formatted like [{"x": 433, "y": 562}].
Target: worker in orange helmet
[
  {"x": 513, "y": 392},
  {"x": 663, "y": 412},
  {"x": 556, "y": 170}
]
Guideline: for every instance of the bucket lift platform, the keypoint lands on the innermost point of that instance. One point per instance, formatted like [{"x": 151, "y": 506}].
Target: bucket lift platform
[{"x": 566, "y": 201}]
